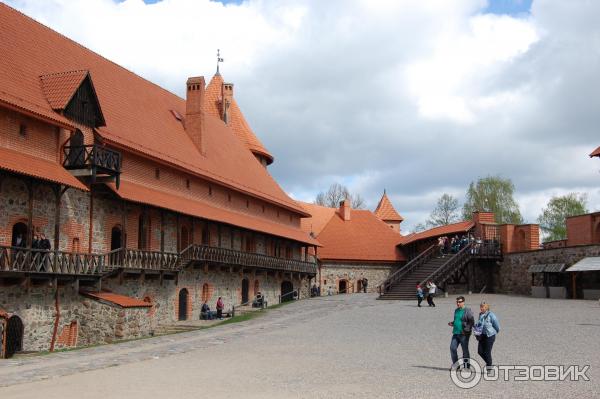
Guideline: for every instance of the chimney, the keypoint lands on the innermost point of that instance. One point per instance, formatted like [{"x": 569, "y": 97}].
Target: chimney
[
  {"x": 226, "y": 98},
  {"x": 193, "y": 110},
  {"x": 345, "y": 209}
]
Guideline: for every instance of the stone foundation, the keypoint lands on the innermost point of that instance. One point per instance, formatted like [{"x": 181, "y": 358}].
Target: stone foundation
[
  {"x": 84, "y": 321},
  {"x": 332, "y": 273},
  {"x": 512, "y": 276}
]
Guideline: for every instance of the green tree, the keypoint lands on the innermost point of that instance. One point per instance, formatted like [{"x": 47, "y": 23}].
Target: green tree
[
  {"x": 493, "y": 194},
  {"x": 553, "y": 218},
  {"x": 445, "y": 212}
]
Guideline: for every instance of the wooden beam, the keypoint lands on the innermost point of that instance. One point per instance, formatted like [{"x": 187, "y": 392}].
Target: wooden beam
[
  {"x": 91, "y": 232},
  {"x": 29, "y": 237},
  {"x": 162, "y": 230}
]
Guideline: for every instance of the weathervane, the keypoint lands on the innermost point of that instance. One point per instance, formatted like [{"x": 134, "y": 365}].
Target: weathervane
[{"x": 219, "y": 59}]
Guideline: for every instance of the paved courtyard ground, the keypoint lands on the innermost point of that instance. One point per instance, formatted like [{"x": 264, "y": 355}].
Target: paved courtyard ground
[{"x": 349, "y": 346}]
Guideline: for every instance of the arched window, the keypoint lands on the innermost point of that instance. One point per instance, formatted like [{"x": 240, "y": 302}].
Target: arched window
[{"x": 206, "y": 294}]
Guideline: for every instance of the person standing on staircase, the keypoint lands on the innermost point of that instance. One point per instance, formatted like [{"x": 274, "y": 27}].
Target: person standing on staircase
[{"x": 431, "y": 287}]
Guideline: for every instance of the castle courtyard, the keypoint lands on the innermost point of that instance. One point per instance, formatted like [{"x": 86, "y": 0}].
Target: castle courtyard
[{"x": 343, "y": 346}]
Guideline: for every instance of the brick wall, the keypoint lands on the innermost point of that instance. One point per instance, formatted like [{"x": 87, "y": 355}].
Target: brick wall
[{"x": 583, "y": 229}]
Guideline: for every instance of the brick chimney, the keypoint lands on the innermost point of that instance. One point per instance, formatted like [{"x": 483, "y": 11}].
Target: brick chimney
[
  {"x": 226, "y": 98},
  {"x": 345, "y": 209},
  {"x": 193, "y": 110}
]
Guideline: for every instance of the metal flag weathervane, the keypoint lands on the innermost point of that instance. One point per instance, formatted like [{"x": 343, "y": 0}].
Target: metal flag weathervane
[{"x": 219, "y": 59}]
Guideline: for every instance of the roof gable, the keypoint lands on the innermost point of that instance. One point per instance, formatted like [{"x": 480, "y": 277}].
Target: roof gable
[
  {"x": 236, "y": 120},
  {"x": 137, "y": 112},
  {"x": 362, "y": 238},
  {"x": 385, "y": 210}
]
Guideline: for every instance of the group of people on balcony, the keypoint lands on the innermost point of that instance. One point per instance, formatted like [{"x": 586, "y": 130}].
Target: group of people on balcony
[{"x": 455, "y": 244}]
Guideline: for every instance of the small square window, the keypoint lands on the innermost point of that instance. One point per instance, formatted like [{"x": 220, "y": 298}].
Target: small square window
[
  {"x": 209, "y": 190},
  {"x": 187, "y": 183},
  {"x": 23, "y": 130},
  {"x": 229, "y": 197},
  {"x": 157, "y": 173}
]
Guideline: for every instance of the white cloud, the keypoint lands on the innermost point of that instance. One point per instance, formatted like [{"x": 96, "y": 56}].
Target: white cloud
[{"x": 418, "y": 97}]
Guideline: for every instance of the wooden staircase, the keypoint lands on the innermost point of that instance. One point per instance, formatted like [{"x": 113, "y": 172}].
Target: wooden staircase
[
  {"x": 405, "y": 288},
  {"x": 430, "y": 266}
]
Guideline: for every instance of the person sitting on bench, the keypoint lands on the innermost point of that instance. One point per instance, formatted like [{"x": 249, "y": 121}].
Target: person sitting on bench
[
  {"x": 258, "y": 301},
  {"x": 205, "y": 313}
]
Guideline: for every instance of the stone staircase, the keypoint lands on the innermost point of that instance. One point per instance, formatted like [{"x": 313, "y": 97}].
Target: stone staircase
[{"x": 405, "y": 288}]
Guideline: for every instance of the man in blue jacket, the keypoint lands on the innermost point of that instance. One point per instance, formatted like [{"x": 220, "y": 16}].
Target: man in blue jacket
[{"x": 461, "y": 331}]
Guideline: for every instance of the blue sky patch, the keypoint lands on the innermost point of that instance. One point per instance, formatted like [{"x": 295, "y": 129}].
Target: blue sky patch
[{"x": 509, "y": 7}]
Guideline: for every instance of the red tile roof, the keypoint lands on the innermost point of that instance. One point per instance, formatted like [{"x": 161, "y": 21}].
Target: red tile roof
[
  {"x": 455, "y": 228},
  {"x": 362, "y": 238},
  {"x": 29, "y": 165},
  {"x": 385, "y": 210},
  {"x": 121, "y": 300},
  {"x": 320, "y": 216},
  {"x": 196, "y": 207},
  {"x": 237, "y": 122},
  {"x": 137, "y": 112},
  {"x": 596, "y": 153},
  {"x": 60, "y": 87}
]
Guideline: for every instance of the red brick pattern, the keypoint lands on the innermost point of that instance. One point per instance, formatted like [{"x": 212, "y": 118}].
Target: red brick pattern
[{"x": 68, "y": 335}]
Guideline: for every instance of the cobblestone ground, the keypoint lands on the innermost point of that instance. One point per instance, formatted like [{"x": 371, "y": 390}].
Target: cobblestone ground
[{"x": 348, "y": 346}]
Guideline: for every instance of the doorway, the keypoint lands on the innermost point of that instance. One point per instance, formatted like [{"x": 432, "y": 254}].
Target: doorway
[
  {"x": 19, "y": 235},
  {"x": 183, "y": 304},
  {"x": 286, "y": 291},
  {"x": 343, "y": 287},
  {"x": 245, "y": 289},
  {"x": 14, "y": 335}
]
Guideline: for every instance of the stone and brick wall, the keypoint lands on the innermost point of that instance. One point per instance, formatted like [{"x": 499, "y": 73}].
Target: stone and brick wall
[
  {"x": 512, "y": 276},
  {"x": 84, "y": 321},
  {"x": 332, "y": 273}
]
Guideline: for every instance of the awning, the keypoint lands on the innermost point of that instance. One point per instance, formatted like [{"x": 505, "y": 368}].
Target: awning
[
  {"x": 194, "y": 207},
  {"x": 29, "y": 165},
  {"x": 586, "y": 265},
  {"x": 547, "y": 268},
  {"x": 116, "y": 299}
]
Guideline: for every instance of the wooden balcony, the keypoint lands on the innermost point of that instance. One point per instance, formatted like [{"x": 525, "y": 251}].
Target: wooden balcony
[
  {"x": 203, "y": 253},
  {"x": 36, "y": 261},
  {"x": 14, "y": 260},
  {"x": 142, "y": 260},
  {"x": 94, "y": 161}
]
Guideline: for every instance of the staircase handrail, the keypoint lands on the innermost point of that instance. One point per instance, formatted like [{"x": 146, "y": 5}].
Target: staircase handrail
[
  {"x": 409, "y": 267},
  {"x": 461, "y": 257}
]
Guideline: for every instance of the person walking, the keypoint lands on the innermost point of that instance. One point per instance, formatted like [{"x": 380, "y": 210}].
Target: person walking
[
  {"x": 419, "y": 294},
  {"x": 486, "y": 329},
  {"x": 365, "y": 283},
  {"x": 461, "y": 331},
  {"x": 220, "y": 307},
  {"x": 431, "y": 287}
]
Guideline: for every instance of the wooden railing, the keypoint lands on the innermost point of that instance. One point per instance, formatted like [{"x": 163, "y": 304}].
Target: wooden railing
[
  {"x": 422, "y": 258},
  {"x": 16, "y": 259},
  {"x": 92, "y": 156},
  {"x": 203, "y": 253},
  {"x": 141, "y": 259},
  {"x": 491, "y": 249}
]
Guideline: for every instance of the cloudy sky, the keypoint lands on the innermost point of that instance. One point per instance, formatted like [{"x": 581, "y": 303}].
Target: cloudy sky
[{"x": 419, "y": 97}]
